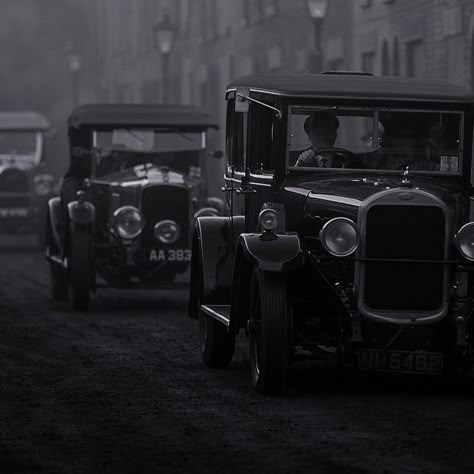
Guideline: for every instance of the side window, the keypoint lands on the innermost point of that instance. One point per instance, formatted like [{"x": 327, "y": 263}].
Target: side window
[
  {"x": 235, "y": 138},
  {"x": 261, "y": 135}
]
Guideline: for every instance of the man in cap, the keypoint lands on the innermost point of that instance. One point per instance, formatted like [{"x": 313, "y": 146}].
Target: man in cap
[{"x": 321, "y": 128}]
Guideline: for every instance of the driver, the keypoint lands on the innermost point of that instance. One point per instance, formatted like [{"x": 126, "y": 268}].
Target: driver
[{"x": 321, "y": 128}]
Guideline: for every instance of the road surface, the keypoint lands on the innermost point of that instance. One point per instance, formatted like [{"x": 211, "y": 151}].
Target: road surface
[{"x": 122, "y": 390}]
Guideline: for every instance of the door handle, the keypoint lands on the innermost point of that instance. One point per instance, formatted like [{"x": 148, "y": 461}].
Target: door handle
[{"x": 225, "y": 189}]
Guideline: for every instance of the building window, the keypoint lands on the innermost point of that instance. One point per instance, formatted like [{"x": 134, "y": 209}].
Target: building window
[
  {"x": 415, "y": 58},
  {"x": 396, "y": 59},
  {"x": 385, "y": 60},
  {"x": 368, "y": 62}
]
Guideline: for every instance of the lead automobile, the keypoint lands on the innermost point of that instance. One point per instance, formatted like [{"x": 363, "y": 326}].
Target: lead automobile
[
  {"x": 135, "y": 184},
  {"x": 368, "y": 263},
  {"x": 24, "y": 185}
]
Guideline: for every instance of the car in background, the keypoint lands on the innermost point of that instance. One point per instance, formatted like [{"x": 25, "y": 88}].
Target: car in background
[
  {"x": 359, "y": 250},
  {"x": 135, "y": 186},
  {"x": 24, "y": 185}
]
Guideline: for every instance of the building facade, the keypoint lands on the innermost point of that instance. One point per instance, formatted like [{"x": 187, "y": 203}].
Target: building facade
[{"x": 419, "y": 38}]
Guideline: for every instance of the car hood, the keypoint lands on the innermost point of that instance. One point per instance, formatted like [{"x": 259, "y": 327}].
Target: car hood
[{"x": 342, "y": 194}]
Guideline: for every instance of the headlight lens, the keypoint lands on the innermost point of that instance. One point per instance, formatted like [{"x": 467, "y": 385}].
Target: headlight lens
[
  {"x": 43, "y": 184},
  {"x": 167, "y": 232},
  {"x": 128, "y": 222},
  {"x": 465, "y": 241},
  {"x": 268, "y": 219},
  {"x": 340, "y": 237}
]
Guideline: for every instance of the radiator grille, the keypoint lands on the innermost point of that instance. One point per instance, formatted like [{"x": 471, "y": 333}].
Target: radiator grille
[{"x": 404, "y": 233}]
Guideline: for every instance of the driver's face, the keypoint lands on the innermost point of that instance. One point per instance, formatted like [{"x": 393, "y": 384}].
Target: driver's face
[{"x": 322, "y": 137}]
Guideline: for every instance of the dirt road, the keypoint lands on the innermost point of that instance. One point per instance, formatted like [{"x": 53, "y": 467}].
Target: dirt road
[{"x": 122, "y": 389}]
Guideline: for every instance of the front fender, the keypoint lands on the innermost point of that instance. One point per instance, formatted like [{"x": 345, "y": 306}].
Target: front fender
[
  {"x": 278, "y": 253},
  {"x": 216, "y": 237},
  {"x": 81, "y": 212},
  {"x": 53, "y": 219}
]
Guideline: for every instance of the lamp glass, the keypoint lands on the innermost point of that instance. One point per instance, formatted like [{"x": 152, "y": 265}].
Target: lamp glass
[{"x": 317, "y": 8}]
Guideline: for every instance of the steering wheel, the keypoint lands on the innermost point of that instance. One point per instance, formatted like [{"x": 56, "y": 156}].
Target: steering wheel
[{"x": 347, "y": 157}]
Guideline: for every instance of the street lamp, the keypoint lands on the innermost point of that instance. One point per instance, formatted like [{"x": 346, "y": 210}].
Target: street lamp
[
  {"x": 165, "y": 34},
  {"x": 317, "y": 10},
  {"x": 75, "y": 65}
]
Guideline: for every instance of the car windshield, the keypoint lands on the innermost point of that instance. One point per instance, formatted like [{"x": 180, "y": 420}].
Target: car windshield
[
  {"x": 377, "y": 139},
  {"x": 147, "y": 149},
  {"x": 19, "y": 144}
]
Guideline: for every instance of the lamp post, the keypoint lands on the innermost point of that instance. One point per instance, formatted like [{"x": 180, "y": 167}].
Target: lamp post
[
  {"x": 165, "y": 33},
  {"x": 75, "y": 64},
  {"x": 317, "y": 10}
]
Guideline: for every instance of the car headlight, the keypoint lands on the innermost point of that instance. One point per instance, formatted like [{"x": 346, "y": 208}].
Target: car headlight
[
  {"x": 340, "y": 237},
  {"x": 268, "y": 219},
  {"x": 206, "y": 212},
  {"x": 167, "y": 232},
  {"x": 43, "y": 184},
  {"x": 128, "y": 222},
  {"x": 465, "y": 241}
]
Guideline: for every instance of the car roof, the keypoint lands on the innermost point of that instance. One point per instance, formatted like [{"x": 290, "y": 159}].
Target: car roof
[
  {"x": 22, "y": 120},
  {"x": 354, "y": 86},
  {"x": 144, "y": 115}
]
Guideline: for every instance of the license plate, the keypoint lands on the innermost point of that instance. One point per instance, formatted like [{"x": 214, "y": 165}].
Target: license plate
[
  {"x": 401, "y": 361},
  {"x": 14, "y": 212},
  {"x": 170, "y": 255}
]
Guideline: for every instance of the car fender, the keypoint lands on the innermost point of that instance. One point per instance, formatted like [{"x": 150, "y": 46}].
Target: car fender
[
  {"x": 272, "y": 253},
  {"x": 81, "y": 213},
  {"x": 53, "y": 219},
  {"x": 214, "y": 238}
]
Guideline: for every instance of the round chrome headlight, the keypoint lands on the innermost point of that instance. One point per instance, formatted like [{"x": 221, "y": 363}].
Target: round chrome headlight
[
  {"x": 465, "y": 241},
  {"x": 167, "y": 232},
  {"x": 268, "y": 219},
  {"x": 206, "y": 212},
  {"x": 43, "y": 184},
  {"x": 128, "y": 222},
  {"x": 340, "y": 237}
]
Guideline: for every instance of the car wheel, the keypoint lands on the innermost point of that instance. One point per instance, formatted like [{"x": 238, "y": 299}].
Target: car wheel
[
  {"x": 216, "y": 343},
  {"x": 59, "y": 282},
  {"x": 269, "y": 332},
  {"x": 80, "y": 268}
]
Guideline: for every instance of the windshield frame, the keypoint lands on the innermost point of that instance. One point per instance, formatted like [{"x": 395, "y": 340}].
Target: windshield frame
[
  {"x": 176, "y": 130},
  {"x": 35, "y": 158},
  {"x": 375, "y": 134}
]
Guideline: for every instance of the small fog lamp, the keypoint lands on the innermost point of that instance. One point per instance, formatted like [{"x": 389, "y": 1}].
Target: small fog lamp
[
  {"x": 340, "y": 237},
  {"x": 268, "y": 219},
  {"x": 167, "y": 232},
  {"x": 128, "y": 222},
  {"x": 465, "y": 241}
]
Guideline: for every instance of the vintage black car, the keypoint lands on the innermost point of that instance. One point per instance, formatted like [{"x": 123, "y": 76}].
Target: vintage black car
[
  {"x": 351, "y": 229},
  {"x": 24, "y": 185},
  {"x": 134, "y": 187}
]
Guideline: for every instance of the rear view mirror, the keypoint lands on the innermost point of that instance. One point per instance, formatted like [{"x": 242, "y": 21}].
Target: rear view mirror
[
  {"x": 217, "y": 154},
  {"x": 241, "y": 100}
]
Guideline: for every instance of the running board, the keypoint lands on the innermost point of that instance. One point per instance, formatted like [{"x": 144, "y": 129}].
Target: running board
[{"x": 219, "y": 312}]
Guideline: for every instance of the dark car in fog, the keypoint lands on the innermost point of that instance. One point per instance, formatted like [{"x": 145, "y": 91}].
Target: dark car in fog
[
  {"x": 24, "y": 185},
  {"x": 350, "y": 237},
  {"x": 136, "y": 183}
]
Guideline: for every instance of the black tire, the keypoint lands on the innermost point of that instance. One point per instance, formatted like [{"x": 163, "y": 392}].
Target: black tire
[
  {"x": 215, "y": 342},
  {"x": 80, "y": 268},
  {"x": 270, "y": 322},
  {"x": 59, "y": 282}
]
